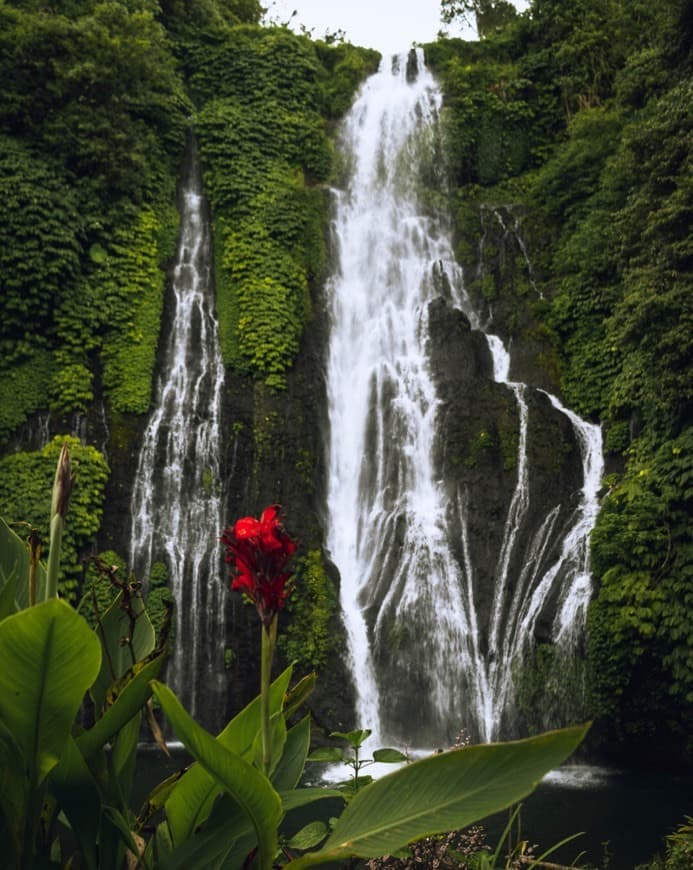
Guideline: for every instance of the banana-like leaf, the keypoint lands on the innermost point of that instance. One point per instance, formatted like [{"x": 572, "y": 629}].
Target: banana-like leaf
[
  {"x": 290, "y": 768},
  {"x": 227, "y": 829},
  {"x": 119, "y": 657},
  {"x": 277, "y": 741},
  {"x": 14, "y": 561},
  {"x": 49, "y": 658},
  {"x": 73, "y": 785},
  {"x": 442, "y": 793},
  {"x": 133, "y": 693},
  {"x": 14, "y": 797},
  {"x": 299, "y": 694},
  {"x": 249, "y": 788},
  {"x": 190, "y": 802},
  {"x": 301, "y": 797},
  {"x": 8, "y": 596}
]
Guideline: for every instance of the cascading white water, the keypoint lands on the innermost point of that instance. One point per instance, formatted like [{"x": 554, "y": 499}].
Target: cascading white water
[
  {"x": 176, "y": 504},
  {"x": 404, "y": 582}
]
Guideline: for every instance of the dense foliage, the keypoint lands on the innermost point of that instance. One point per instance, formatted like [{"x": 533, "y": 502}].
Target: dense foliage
[
  {"x": 264, "y": 145},
  {"x": 97, "y": 102},
  {"x": 25, "y": 499},
  {"x": 575, "y": 117},
  {"x": 579, "y": 116}
]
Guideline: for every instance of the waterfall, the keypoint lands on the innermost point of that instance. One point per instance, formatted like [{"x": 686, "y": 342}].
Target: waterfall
[
  {"x": 176, "y": 504},
  {"x": 427, "y": 656}
]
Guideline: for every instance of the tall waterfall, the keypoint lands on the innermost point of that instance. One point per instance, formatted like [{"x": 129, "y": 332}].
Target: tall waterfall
[
  {"x": 177, "y": 501},
  {"x": 431, "y": 650}
]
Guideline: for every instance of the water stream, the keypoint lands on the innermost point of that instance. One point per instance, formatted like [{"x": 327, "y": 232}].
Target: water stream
[
  {"x": 408, "y": 581},
  {"x": 176, "y": 504}
]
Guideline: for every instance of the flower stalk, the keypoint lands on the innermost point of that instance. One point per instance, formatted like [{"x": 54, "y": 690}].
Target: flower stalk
[
  {"x": 260, "y": 553},
  {"x": 62, "y": 488},
  {"x": 269, "y": 642}
]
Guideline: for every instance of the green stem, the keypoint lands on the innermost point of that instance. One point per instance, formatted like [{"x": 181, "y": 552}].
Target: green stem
[
  {"x": 53, "y": 565},
  {"x": 269, "y": 640}
]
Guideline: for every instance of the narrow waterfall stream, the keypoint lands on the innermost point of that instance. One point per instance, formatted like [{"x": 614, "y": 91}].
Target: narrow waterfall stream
[
  {"x": 176, "y": 505},
  {"x": 432, "y": 649}
]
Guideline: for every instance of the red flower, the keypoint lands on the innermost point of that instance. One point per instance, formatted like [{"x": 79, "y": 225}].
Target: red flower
[{"x": 259, "y": 552}]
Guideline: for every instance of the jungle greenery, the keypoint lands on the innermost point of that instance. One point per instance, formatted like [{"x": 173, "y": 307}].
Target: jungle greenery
[
  {"x": 66, "y": 782},
  {"x": 576, "y": 114},
  {"x": 579, "y": 114}
]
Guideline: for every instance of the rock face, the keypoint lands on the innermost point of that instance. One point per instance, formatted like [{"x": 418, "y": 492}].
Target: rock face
[
  {"x": 477, "y": 447},
  {"x": 274, "y": 450},
  {"x": 477, "y": 461}
]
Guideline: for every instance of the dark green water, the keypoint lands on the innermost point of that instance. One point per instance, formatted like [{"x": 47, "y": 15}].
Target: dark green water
[{"x": 625, "y": 814}]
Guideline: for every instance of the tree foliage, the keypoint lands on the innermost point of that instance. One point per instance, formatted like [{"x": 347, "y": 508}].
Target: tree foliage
[{"x": 605, "y": 180}]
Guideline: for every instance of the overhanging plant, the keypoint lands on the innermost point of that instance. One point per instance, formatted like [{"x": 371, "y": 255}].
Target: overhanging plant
[{"x": 229, "y": 808}]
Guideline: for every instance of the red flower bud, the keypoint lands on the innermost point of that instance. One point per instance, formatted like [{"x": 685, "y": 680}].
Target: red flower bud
[{"x": 259, "y": 552}]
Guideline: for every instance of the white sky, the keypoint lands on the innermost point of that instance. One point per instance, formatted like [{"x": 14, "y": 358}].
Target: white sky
[{"x": 387, "y": 25}]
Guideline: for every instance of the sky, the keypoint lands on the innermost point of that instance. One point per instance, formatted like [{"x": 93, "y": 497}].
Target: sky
[{"x": 388, "y": 25}]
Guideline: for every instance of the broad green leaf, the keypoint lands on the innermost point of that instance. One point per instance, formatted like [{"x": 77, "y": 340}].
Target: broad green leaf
[
  {"x": 278, "y": 740},
  {"x": 251, "y": 790},
  {"x": 327, "y": 754},
  {"x": 389, "y": 756},
  {"x": 49, "y": 658},
  {"x": 191, "y": 800},
  {"x": 14, "y": 796},
  {"x": 133, "y": 695},
  {"x": 298, "y": 694},
  {"x": 122, "y": 759},
  {"x": 290, "y": 768},
  {"x": 228, "y": 828},
  {"x": 309, "y": 836},
  {"x": 445, "y": 792},
  {"x": 8, "y": 596},
  {"x": 73, "y": 785},
  {"x": 354, "y": 738},
  {"x": 301, "y": 797},
  {"x": 117, "y": 656},
  {"x": 117, "y": 836},
  {"x": 14, "y": 561}
]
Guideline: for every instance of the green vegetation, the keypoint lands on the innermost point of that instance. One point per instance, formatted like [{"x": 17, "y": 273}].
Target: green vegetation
[
  {"x": 263, "y": 142},
  {"x": 580, "y": 114},
  {"x": 25, "y": 497},
  {"x": 577, "y": 115},
  {"x": 309, "y": 639}
]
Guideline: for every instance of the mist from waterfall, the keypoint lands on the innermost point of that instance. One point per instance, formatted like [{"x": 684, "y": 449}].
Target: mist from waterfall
[
  {"x": 176, "y": 508},
  {"x": 406, "y": 582}
]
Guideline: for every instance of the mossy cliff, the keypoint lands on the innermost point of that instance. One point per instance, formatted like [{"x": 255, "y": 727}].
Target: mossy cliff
[{"x": 568, "y": 144}]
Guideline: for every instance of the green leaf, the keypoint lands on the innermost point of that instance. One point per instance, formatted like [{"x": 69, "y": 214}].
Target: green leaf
[
  {"x": 293, "y": 760},
  {"x": 354, "y": 738},
  {"x": 49, "y": 658},
  {"x": 117, "y": 656},
  {"x": 8, "y": 595},
  {"x": 327, "y": 753},
  {"x": 14, "y": 561},
  {"x": 247, "y": 786},
  {"x": 14, "y": 797},
  {"x": 191, "y": 800},
  {"x": 298, "y": 694},
  {"x": 301, "y": 797},
  {"x": 97, "y": 253},
  {"x": 73, "y": 785},
  {"x": 310, "y": 836},
  {"x": 389, "y": 756},
  {"x": 134, "y": 692},
  {"x": 446, "y": 792},
  {"x": 277, "y": 739},
  {"x": 227, "y": 828}
]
